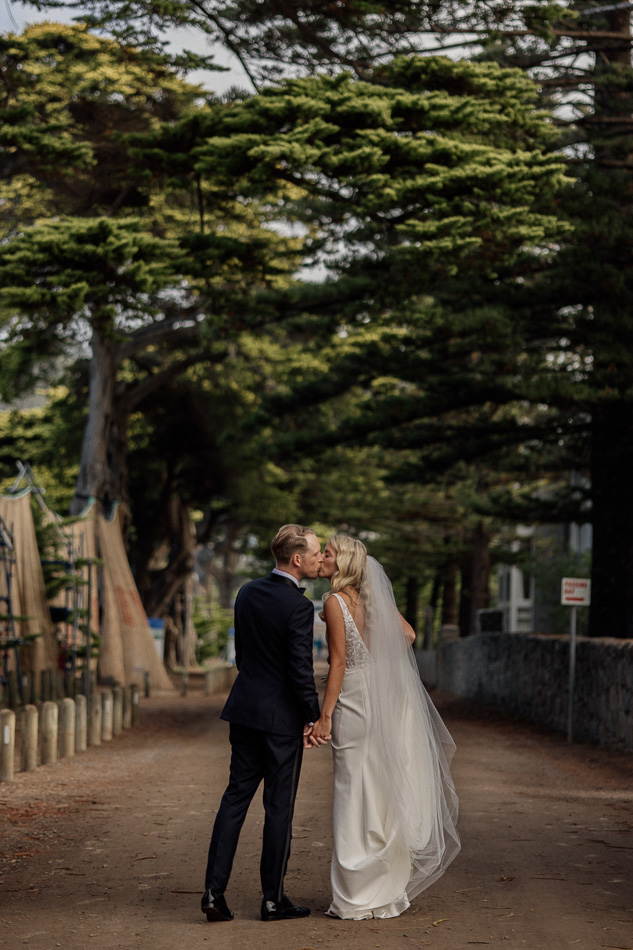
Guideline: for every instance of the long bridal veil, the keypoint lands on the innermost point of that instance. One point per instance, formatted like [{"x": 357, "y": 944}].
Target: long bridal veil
[{"x": 412, "y": 743}]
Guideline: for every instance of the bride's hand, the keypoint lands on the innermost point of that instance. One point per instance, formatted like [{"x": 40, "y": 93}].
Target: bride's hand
[{"x": 322, "y": 730}]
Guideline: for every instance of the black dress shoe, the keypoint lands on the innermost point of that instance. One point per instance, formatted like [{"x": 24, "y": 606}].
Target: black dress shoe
[
  {"x": 283, "y": 910},
  {"x": 215, "y": 907}
]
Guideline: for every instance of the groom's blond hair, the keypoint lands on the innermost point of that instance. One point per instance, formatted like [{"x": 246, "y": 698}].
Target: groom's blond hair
[{"x": 289, "y": 539}]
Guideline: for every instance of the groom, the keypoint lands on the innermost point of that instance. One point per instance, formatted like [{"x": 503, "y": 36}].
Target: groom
[{"x": 272, "y": 704}]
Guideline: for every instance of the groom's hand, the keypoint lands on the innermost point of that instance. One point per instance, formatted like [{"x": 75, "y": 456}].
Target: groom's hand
[
  {"x": 315, "y": 735},
  {"x": 310, "y": 740}
]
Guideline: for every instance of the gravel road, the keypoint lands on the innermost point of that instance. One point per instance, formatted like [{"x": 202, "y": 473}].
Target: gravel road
[{"x": 107, "y": 849}]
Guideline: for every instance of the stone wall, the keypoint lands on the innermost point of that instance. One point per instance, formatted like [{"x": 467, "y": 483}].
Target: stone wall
[{"x": 528, "y": 674}]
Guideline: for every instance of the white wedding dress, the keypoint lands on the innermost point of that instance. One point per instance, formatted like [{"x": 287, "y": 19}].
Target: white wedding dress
[{"x": 395, "y": 808}]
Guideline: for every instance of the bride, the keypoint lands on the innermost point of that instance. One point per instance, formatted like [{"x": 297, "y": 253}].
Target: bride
[{"x": 395, "y": 807}]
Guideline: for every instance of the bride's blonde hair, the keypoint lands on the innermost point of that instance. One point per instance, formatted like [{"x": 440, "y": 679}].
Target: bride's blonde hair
[{"x": 351, "y": 557}]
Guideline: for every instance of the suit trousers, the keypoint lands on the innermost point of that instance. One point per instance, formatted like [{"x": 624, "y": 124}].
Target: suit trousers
[{"x": 257, "y": 756}]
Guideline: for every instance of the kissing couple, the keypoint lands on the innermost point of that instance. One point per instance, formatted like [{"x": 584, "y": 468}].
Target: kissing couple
[{"x": 395, "y": 806}]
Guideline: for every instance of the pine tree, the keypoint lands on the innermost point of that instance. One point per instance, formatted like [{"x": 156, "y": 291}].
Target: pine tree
[
  {"x": 581, "y": 55},
  {"x": 104, "y": 253},
  {"x": 427, "y": 198},
  {"x": 578, "y": 316}
]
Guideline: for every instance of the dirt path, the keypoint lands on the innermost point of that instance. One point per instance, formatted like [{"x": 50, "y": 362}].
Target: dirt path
[{"x": 107, "y": 850}]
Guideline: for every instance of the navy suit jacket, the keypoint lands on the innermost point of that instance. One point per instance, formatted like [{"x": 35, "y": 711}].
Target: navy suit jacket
[{"x": 274, "y": 690}]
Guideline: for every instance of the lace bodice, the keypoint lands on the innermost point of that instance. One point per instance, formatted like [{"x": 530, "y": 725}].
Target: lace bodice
[{"x": 356, "y": 653}]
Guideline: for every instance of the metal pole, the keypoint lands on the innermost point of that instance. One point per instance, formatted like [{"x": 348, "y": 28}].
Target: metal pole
[{"x": 572, "y": 673}]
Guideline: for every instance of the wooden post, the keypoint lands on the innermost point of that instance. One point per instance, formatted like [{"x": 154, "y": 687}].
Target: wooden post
[
  {"x": 81, "y": 723},
  {"x": 135, "y": 701},
  {"x": 127, "y": 707},
  {"x": 49, "y": 732},
  {"x": 106, "y": 715},
  {"x": 94, "y": 719},
  {"x": 30, "y": 723},
  {"x": 66, "y": 728},
  {"x": 117, "y": 710},
  {"x": 7, "y": 745}
]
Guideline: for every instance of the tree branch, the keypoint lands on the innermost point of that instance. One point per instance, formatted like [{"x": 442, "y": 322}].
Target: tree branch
[
  {"x": 228, "y": 40},
  {"x": 137, "y": 392},
  {"x": 163, "y": 330}
]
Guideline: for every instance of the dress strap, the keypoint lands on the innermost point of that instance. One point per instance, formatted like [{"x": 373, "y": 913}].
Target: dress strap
[{"x": 344, "y": 607}]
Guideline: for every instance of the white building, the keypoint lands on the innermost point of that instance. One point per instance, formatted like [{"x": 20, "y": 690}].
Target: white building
[{"x": 525, "y": 604}]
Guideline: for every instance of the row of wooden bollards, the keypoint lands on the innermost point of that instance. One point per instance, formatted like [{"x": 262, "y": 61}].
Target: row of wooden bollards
[
  {"x": 58, "y": 730},
  {"x": 50, "y": 685}
]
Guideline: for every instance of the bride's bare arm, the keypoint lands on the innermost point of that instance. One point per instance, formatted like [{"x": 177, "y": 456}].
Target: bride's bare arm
[
  {"x": 409, "y": 632},
  {"x": 322, "y": 728}
]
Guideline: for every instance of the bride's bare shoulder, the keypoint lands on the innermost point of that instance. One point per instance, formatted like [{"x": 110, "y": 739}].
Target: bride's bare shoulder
[
  {"x": 350, "y": 596},
  {"x": 332, "y": 608}
]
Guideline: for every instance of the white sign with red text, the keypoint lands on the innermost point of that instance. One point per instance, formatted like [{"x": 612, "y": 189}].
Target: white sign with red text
[{"x": 575, "y": 591}]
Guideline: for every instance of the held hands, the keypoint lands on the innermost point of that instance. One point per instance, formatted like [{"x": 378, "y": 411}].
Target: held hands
[{"x": 318, "y": 733}]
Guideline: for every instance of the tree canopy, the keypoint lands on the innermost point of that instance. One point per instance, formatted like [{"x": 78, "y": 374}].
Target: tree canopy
[{"x": 474, "y": 301}]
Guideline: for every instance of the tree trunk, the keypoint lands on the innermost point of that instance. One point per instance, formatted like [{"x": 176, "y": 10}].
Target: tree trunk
[
  {"x": 431, "y": 610},
  {"x": 479, "y": 575},
  {"x": 611, "y": 612},
  {"x": 93, "y": 479},
  {"x": 223, "y": 565},
  {"x": 116, "y": 489},
  {"x": 171, "y": 580},
  {"x": 412, "y": 598},
  {"x": 449, "y": 594},
  {"x": 170, "y": 654},
  {"x": 151, "y": 542},
  {"x": 189, "y": 631},
  {"x": 475, "y": 577},
  {"x": 224, "y": 576},
  {"x": 465, "y": 594}
]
